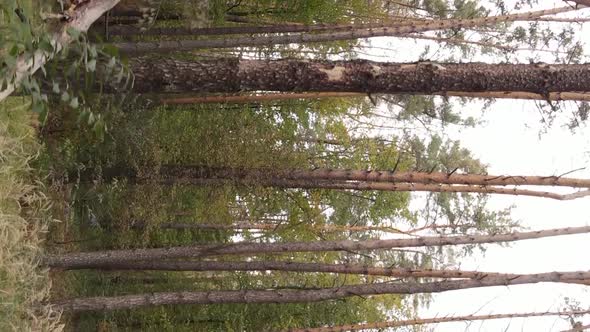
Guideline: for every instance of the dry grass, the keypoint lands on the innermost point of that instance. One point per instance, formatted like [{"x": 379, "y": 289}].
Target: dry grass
[{"x": 24, "y": 211}]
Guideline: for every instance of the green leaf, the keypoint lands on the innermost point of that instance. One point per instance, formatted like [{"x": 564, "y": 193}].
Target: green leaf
[
  {"x": 74, "y": 33},
  {"x": 45, "y": 45},
  {"x": 55, "y": 87},
  {"x": 91, "y": 65},
  {"x": 65, "y": 96},
  {"x": 74, "y": 102}
]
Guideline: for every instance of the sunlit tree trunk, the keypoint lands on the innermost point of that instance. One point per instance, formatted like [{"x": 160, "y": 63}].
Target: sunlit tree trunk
[
  {"x": 89, "y": 259},
  {"x": 301, "y": 296}
]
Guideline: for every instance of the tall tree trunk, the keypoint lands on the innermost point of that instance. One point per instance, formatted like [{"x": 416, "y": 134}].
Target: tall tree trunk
[
  {"x": 301, "y": 296},
  {"x": 279, "y": 28},
  {"x": 257, "y": 174},
  {"x": 127, "y": 30},
  {"x": 83, "y": 260},
  {"x": 353, "y": 33},
  {"x": 354, "y": 180},
  {"x": 305, "y": 267},
  {"x": 270, "y": 226},
  {"x": 436, "y": 320},
  {"x": 234, "y": 75},
  {"x": 244, "y": 99}
]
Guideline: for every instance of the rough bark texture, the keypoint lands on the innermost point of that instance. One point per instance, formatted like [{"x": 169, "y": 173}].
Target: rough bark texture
[
  {"x": 254, "y": 98},
  {"x": 302, "y": 267},
  {"x": 436, "y": 320},
  {"x": 82, "y": 260},
  {"x": 233, "y": 75},
  {"x": 256, "y": 174},
  {"x": 299, "y": 296},
  {"x": 126, "y": 30},
  {"x": 267, "y": 226},
  {"x": 238, "y": 99},
  {"x": 187, "y": 45},
  {"x": 352, "y": 180}
]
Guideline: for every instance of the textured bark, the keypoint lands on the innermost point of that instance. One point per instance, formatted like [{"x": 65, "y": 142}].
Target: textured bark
[
  {"x": 300, "y": 296},
  {"x": 81, "y": 18},
  {"x": 187, "y": 45},
  {"x": 239, "y": 99},
  {"x": 355, "y": 180},
  {"x": 233, "y": 75},
  {"x": 257, "y": 174},
  {"x": 244, "y": 99},
  {"x": 303, "y": 267},
  {"x": 436, "y": 320},
  {"x": 213, "y": 31},
  {"x": 89, "y": 259},
  {"x": 268, "y": 226}
]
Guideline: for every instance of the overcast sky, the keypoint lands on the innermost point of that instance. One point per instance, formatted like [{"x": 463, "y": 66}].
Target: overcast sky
[{"x": 509, "y": 142}]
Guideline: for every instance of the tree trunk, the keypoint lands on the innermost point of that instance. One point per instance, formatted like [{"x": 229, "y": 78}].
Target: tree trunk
[
  {"x": 257, "y": 174},
  {"x": 244, "y": 99},
  {"x": 270, "y": 226},
  {"x": 84, "y": 260},
  {"x": 234, "y": 75},
  {"x": 304, "y": 267},
  {"x": 166, "y": 46},
  {"x": 215, "y": 31},
  {"x": 436, "y": 320},
  {"x": 353, "y": 180},
  {"x": 303, "y": 296}
]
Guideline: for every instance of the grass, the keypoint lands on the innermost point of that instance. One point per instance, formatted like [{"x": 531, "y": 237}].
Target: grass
[{"x": 24, "y": 216}]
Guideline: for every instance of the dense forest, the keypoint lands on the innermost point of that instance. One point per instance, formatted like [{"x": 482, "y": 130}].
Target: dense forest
[{"x": 209, "y": 165}]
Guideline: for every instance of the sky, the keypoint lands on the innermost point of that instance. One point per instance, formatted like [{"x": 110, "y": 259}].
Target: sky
[{"x": 511, "y": 142}]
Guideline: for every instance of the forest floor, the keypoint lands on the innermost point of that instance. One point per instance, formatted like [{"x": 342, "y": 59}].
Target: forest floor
[{"x": 25, "y": 214}]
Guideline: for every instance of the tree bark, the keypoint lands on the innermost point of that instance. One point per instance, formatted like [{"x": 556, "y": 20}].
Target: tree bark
[
  {"x": 257, "y": 174},
  {"x": 81, "y": 19},
  {"x": 166, "y": 46},
  {"x": 269, "y": 226},
  {"x": 83, "y": 260},
  {"x": 244, "y": 99},
  {"x": 305, "y": 267},
  {"x": 436, "y": 320},
  {"x": 354, "y": 180},
  {"x": 233, "y": 75},
  {"x": 301, "y": 296}
]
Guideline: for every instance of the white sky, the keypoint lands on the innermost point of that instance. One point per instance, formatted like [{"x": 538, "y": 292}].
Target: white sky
[{"x": 509, "y": 143}]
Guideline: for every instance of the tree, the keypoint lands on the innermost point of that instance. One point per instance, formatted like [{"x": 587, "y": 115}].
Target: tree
[
  {"x": 305, "y": 295},
  {"x": 89, "y": 259},
  {"x": 437, "y": 320},
  {"x": 356, "y": 180},
  {"x": 233, "y": 75},
  {"x": 351, "y": 32}
]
